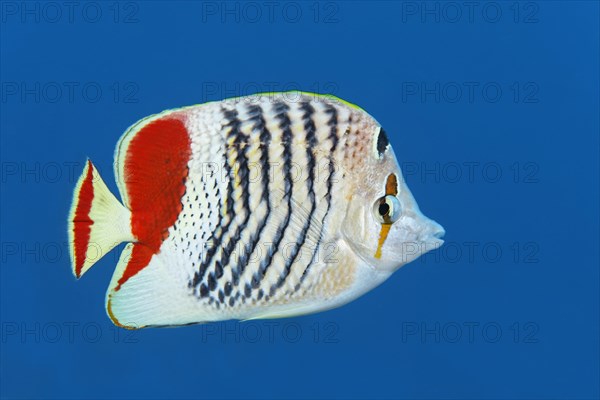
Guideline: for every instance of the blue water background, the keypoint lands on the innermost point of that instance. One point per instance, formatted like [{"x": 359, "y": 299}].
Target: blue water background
[{"x": 507, "y": 309}]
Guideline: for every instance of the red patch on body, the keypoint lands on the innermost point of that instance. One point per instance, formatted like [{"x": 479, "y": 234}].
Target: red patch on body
[
  {"x": 82, "y": 224},
  {"x": 156, "y": 167},
  {"x": 140, "y": 258}
]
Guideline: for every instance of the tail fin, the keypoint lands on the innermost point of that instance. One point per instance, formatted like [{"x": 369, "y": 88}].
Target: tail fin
[{"x": 97, "y": 221}]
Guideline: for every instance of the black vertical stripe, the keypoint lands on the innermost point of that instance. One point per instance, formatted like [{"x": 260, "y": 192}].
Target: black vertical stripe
[
  {"x": 240, "y": 145},
  {"x": 281, "y": 109},
  {"x": 234, "y": 123},
  {"x": 265, "y": 140},
  {"x": 333, "y": 137},
  {"x": 255, "y": 115},
  {"x": 311, "y": 140}
]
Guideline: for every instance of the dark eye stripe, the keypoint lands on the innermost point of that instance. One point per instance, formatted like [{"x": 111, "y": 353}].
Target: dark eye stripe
[{"x": 382, "y": 142}]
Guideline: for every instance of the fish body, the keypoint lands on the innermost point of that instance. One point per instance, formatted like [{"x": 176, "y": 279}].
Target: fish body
[{"x": 264, "y": 206}]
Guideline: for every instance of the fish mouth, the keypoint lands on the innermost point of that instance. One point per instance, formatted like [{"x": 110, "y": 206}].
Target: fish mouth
[
  {"x": 433, "y": 236},
  {"x": 439, "y": 234}
]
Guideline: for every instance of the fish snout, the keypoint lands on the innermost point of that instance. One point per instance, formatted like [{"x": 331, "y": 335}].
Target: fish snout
[{"x": 432, "y": 234}]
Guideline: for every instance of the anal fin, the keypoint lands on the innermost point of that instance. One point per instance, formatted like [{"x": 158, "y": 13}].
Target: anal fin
[{"x": 144, "y": 292}]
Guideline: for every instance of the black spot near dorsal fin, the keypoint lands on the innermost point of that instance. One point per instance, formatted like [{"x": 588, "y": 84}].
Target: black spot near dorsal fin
[{"x": 382, "y": 142}]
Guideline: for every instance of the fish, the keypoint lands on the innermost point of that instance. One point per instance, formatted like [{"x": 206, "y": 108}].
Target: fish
[{"x": 263, "y": 206}]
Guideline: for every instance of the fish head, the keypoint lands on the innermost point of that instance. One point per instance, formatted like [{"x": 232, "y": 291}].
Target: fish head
[{"x": 383, "y": 223}]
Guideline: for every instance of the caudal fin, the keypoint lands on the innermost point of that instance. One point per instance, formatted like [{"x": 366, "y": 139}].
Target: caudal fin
[{"x": 97, "y": 221}]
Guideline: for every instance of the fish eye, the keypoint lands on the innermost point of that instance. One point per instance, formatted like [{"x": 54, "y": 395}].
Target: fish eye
[{"x": 387, "y": 209}]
